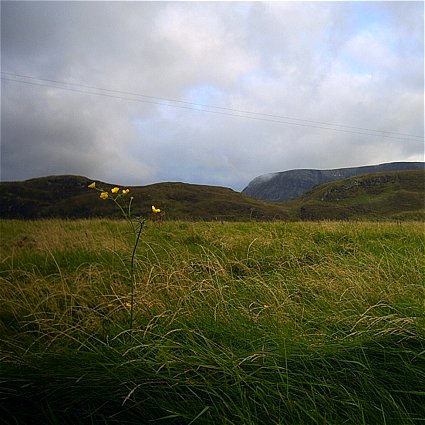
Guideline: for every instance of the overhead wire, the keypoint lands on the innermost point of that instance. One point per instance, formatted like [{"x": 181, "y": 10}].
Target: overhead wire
[{"x": 178, "y": 103}]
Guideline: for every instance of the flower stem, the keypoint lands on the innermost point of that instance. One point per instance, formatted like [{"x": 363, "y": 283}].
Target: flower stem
[{"x": 133, "y": 278}]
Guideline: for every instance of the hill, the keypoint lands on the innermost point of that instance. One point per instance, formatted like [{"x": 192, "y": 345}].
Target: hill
[
  {"x": 291, "y": 184},
  {"x": 395, "y": 195},
  {"x": 69, "y": 197}
]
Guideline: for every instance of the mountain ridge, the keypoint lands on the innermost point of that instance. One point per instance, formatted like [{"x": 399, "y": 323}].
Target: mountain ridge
[
  {"x": 291, "y": 184},
  {"x": 397, "y": 195}
]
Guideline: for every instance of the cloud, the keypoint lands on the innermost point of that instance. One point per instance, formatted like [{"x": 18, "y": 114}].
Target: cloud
[{"x": 349, "y": 63}]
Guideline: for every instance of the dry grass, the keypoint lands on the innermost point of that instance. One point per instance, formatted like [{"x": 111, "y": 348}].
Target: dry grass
[{"x": 234, "y": 322}]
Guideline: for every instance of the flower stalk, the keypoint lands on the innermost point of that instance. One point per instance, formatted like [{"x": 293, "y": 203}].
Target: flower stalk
[
  {"x": 115, "y": 196},
  {"x": 133, "y": 276}
]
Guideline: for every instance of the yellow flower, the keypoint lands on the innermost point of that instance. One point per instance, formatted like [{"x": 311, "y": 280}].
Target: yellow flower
[
  {"x": 125, "y": 191},
  {"x": 104, "y": 195},
  {"x": 127, "y": 305},
  {"x": 155, "y": 210},
  {"x": 115, "y": 190},
  {"x": 92, "y": 186}
]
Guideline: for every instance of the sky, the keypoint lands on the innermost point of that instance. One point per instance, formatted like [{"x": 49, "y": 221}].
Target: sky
[{"x": 216, "y": 93}]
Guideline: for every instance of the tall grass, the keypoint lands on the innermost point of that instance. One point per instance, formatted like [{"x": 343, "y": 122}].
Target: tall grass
[{"x": 234, "y": 323}]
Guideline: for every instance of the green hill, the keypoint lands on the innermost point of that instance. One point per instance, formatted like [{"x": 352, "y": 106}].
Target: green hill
[
  {"x": 393, "y": 195},
  {"x": 398, "y": 195}
]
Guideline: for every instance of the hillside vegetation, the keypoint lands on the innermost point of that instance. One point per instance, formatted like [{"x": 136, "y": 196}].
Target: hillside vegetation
[
  {"x": 396, "y": 195},
  {"x": 234, "y": 323},
  {"x": 380, "y": 196}
]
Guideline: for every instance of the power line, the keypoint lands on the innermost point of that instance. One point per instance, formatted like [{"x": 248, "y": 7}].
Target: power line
[
  {"x": 211, "y": 106},
  {"x": 218, "y": 110}
]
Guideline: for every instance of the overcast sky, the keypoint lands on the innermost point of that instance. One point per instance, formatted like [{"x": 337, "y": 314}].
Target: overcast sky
[{"x": 118, "y": 91}]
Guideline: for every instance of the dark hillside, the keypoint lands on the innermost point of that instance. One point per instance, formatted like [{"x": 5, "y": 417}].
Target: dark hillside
[{"x": 69, "y": 197}]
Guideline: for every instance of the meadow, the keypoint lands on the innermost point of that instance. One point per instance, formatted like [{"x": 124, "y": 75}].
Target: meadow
[{"x": 234, "y": 323}]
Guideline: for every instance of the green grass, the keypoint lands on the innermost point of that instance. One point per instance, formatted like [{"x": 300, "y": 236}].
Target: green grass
[{"x": 235, "y": 323}]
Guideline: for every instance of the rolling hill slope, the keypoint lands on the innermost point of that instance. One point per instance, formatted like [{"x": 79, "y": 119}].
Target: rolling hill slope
[
  {"x": 398, "y": 195},
  {"x": 69, "y": 197},
  {"x": 394, "y": 195}
]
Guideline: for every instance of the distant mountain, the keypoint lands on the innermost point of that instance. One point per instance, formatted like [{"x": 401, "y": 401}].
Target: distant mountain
[{"x": 291, "y": 184}]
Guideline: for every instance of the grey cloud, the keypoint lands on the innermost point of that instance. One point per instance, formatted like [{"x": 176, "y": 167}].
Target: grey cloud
[{"x": 352, "y": 63}]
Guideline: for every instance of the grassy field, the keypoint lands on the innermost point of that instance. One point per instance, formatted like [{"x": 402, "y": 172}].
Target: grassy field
[{"x": 234, "y": 323}]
